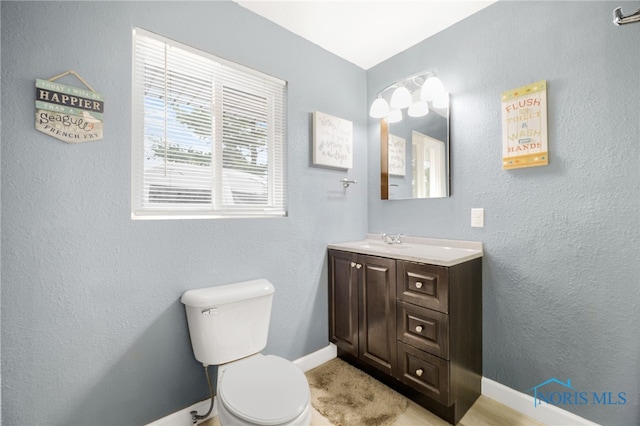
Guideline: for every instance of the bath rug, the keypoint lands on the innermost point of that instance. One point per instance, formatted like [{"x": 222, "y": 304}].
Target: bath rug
[{"x": 349, "y": 397}]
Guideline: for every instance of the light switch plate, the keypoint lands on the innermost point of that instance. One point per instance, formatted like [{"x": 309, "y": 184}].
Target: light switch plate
[{"x": 477, "y": 218}]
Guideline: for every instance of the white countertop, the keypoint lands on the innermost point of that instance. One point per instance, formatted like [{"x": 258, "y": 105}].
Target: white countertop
[{"x": 416, "y": 249}]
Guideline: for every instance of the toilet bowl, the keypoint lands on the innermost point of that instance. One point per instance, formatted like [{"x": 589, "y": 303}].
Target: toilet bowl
[{"x": 263, "y": 390}]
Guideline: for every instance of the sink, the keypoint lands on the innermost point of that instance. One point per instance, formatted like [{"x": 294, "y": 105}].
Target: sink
[{"x": 382, "y": 246}]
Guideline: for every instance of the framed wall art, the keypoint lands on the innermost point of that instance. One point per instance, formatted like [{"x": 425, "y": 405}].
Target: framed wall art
[
  {"x": 524, "y": 127},
  {"x": 332, "y": 141}
]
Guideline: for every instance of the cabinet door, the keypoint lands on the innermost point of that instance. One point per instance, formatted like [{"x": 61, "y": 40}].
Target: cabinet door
[
  {"x": 377, "y": 312},
  {"x": 343, "y": 301}
]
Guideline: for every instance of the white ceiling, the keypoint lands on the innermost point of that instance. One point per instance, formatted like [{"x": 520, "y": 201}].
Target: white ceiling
[{"x": 365, "y": 32}]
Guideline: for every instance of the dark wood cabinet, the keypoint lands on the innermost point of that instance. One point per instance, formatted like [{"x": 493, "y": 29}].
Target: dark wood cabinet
[
  {"x": 376, "y": 312},
  {"x": 343, "y": 308},
  {"x": 416, "y": 327},
  {"x": 363, "y": 308}
]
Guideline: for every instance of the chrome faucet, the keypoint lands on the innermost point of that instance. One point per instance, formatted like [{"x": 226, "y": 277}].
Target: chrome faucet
[{"x": 392, "y": 238}]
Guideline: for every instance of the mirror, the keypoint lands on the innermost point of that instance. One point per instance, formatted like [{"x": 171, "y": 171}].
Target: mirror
[
  {"x": 415, "y": 156},
  {"x": 414, "y": 138}
]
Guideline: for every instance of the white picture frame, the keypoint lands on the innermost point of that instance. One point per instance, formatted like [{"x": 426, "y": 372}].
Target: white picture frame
[{"x": 332, "y": 141}]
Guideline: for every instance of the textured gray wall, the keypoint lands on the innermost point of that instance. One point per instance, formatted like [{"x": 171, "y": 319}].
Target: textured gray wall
[
  {"x": 93, "y": 330},
  {"x": 561, "y": 266}
]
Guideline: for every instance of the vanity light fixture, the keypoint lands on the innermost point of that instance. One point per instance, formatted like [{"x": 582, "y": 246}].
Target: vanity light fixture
[
  {"x": 401, "y": 98},
  {"x": 379, "y": 108},
  {"x": 431, "y": 88},
  {"x": 414, "y": 92}
]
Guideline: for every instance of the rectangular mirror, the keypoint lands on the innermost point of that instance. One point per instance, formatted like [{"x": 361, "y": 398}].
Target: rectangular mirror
[{"x": 414, "y": 156}]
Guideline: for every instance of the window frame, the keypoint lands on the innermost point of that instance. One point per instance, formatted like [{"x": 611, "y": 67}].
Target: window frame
[{"x": 225, "y": 75}]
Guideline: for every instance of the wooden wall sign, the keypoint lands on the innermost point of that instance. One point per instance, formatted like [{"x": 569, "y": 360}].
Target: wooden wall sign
[
  {"x": 524, "y": 126},
  {"x": 71, "y": 114},
  {"x": 332, "y": 141}
]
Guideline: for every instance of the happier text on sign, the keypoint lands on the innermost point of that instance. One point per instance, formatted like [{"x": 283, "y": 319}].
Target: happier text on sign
[{"x": 69, "y": 100}]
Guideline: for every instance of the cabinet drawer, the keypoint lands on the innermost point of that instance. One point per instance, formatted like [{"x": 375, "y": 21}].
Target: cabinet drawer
[
  {"x": 423, "y": 328},
  {"x": 424, "y": 372},
  {"x": 423, "y": 285}
]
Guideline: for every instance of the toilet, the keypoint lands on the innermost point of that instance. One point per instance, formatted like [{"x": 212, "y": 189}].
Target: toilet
[{"x": 228, "y": 326}]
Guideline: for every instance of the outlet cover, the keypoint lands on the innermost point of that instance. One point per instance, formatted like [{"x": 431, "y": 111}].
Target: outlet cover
[{"x": 477, "y": 218}]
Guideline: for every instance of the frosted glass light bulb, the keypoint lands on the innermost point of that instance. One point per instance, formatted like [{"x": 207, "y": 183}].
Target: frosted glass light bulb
[
  {"x": 431, "y": 88},
  {"x": 401, "y": 98},
  {"x": 379, "y": 108}
]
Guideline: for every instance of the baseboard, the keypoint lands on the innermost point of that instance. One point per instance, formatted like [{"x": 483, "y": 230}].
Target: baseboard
[
  {"x": 547, "y": 414},
  {"x": 183, "y": 417},
  {"x": 317, "y": 358}
]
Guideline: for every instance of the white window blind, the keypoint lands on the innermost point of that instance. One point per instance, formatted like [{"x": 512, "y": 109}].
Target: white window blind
[{"x": 208, "y": 135}]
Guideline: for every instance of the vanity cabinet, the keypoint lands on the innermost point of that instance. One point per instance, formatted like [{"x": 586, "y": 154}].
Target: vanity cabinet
[
  {"x": 417, "y": 323},
  {"x": 363, "y": 308}
]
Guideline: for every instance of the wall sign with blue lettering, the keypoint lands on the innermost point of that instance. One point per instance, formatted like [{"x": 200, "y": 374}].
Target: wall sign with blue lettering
[{"x": 71, "y": 114}]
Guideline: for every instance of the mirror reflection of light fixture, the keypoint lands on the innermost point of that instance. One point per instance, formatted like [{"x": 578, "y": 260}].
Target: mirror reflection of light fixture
[
  {"x": 441, "y": 100},
  {"x": 418, "y": 107},
  {"x": 395, "y": 116},
  {"x": 414, "y": 92}
]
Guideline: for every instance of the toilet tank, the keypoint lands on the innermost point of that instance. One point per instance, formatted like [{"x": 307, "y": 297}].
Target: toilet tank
[{"x": 228, "y": 322}]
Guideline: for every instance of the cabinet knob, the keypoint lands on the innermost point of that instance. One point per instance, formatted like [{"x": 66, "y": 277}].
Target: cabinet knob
[
  {"x": 358, "y": 266},
  {"x": 419, "y": 328},
  {"x": 353, "y": 264},
  {"x": 419, "y": 372},
  {"x": 418, "y": 284}
]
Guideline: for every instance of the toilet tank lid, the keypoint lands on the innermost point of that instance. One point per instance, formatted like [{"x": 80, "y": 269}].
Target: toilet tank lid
[{"x": 229, "y": 293}]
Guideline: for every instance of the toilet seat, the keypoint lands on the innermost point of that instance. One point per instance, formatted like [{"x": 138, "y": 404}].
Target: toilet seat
[{"x": 266, "y": 390}]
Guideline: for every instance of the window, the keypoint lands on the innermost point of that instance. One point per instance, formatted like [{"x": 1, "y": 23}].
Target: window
[{"x": 208, "y": 135}]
